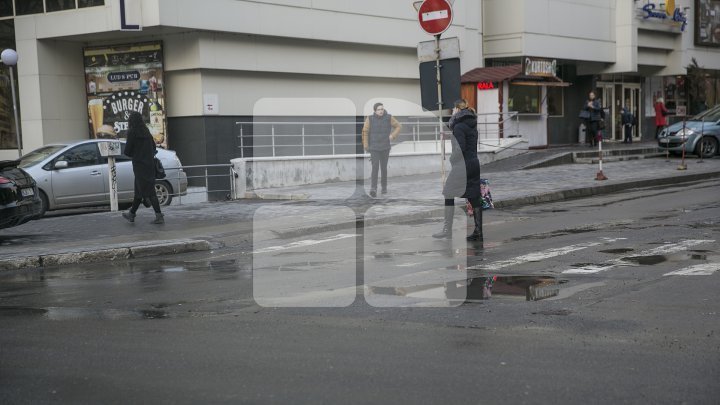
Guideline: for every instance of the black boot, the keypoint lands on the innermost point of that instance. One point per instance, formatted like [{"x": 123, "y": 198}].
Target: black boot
[
  {"x": 477, "y": 235},
  {"x": 446, "y": 232}
]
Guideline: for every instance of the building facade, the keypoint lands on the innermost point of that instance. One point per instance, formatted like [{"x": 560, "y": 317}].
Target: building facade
[{"x": 198, "y": 68}]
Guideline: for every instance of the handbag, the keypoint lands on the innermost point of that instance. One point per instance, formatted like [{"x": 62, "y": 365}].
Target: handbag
[
  {"x": 159, "y": 169},
  {"x": 584, "y": 114}
]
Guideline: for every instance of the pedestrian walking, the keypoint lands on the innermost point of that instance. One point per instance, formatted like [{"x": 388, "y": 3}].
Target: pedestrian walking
[
  {"x": 379, "y": 129},
  {"x": 464, "y": 178},
  {"x": 628, "y": 120},
  {"x": 591, "y": 114},
  {"x": 141, "y": 148},
  {"x": 660, "y": 116}
]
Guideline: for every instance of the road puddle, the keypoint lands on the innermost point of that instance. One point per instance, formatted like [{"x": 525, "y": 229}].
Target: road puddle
[
  {"x": 529, "y": 288},
  {"x": 70, "y": 314},
  {"x": 651, "y": 260}
]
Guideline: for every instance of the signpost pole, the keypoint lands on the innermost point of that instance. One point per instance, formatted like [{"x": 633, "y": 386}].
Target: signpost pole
[
  {"x": 683, "y": 166},
  {"x": 440, "y": 107},
  {"x": 112, "y": 173}
]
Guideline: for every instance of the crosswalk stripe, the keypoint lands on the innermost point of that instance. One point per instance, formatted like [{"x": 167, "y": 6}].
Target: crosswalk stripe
[
  {"x": 706, "y": 269},
  {"x": 539, "y": 256},
  {"x": 660, "y": 250},
  {"x": 304, "y": 243}
]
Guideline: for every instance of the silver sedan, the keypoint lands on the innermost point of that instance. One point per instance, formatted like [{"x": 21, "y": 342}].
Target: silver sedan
[{"x": 74, "y": 174}]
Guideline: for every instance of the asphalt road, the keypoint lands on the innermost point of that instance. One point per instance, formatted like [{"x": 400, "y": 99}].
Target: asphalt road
[{"x": 629, "y": 314}]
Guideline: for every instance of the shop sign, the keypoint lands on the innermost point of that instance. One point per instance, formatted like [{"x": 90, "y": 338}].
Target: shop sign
[
  {"x": 670, "y": 12},
  {"x": 486, "y": 86},
  {"x": 123, "y": 79},
  {"x": 540, "y": 67}
]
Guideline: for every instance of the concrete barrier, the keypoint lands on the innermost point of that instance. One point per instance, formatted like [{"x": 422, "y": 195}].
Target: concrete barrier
[{"x": 278, "y": 172}]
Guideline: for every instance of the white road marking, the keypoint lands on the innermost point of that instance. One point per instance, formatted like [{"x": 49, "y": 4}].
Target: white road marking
[
  {"x": 304, "y": 243},
  {"x": 660, "y": 250},
  {"x": 540, "y": 256},
  {"x": 435, "y": 15},
  {"x": 706, "y": 269}
]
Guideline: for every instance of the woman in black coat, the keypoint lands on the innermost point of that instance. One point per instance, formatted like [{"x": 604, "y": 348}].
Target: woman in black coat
[
  {"x": 140, "y": 147},
  {"x": 464, "y": 178}
]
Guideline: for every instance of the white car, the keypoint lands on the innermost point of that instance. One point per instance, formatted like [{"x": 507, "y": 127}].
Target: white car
[{"x": 74, "y": 174}]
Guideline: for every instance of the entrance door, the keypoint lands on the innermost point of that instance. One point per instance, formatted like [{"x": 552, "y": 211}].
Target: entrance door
[
  {"x": 632, "y": 94},
  {"x": 488, "y": 113},
  {"x": 606, "y": 93}
]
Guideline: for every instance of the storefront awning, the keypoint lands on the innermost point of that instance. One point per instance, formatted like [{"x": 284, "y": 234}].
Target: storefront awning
[
  {"x": 491, "y": 74},
  {"x": 512, "y": 73}
]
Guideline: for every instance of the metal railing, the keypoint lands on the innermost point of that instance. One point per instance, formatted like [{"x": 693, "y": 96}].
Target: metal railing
[
  {"x": 208, "y": 183},
  {"x": 304, "y": 138}
]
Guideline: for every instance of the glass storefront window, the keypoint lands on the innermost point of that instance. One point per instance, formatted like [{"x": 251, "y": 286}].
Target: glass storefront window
[
  {"x": 29, "y": 7},
  {"x": 555, "y": 102},
  {"x": 90, "y": 3},
  {"x": 58, "y": 5},
  {"x": 6, "y": 8},
  {"x": 524, "y": 99}
]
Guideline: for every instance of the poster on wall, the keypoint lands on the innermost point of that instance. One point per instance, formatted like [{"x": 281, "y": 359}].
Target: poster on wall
[
  {"x": 707, "y": 22},
  {"x": 122, "y": 79}
]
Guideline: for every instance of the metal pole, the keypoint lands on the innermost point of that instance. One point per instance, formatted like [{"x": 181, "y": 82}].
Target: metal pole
[
  {"x": 600, "y": 175},
  {"x": 440, "y": 106},
  {"x": 112, "y": 174},
  {"x": 683, "y": 166},
  {"x": 702, "y": 134},
  {"x": 17, "y": 121}
]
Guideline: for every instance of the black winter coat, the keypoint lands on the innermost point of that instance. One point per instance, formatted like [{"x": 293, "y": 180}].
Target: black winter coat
[
  {"x": 464, "y": 178},
  {"x": 140, "y": 147}
]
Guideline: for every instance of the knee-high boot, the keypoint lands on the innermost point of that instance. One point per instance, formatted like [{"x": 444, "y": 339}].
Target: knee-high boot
[
  {"x": 446, "y": 232},
  {"x": 477, "y": 234}
]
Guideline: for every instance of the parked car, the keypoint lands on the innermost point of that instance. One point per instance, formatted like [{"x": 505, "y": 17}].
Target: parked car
[
  {"x": 74, "y": 174},
  {"x": 701, "y": 134},
  {"x": 19, "y": 196}
]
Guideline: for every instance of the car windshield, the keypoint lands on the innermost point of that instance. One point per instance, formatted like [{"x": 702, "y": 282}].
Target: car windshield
[
  {"x": 38, "y": 155},
  {"x": 711, "y": 115}
]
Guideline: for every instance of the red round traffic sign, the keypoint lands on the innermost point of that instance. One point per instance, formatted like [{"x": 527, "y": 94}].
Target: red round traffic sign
[{"x": 435, "y": 16}]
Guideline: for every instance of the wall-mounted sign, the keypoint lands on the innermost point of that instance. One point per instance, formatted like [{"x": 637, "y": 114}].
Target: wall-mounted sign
[
  {"x": 707, "y": 22},
  {"x": 486, "y": 86},
  {"x": 669, "y": 13},
  {"x": 121, "y": 79},
  {"x": 539, "y": 67}
]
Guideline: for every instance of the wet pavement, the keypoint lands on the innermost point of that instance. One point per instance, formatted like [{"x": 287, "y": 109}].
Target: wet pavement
[{"x": 333, "y": 206}]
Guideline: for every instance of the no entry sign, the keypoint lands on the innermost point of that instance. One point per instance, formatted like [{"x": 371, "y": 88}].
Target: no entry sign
[{"x": 435, "y": 16}]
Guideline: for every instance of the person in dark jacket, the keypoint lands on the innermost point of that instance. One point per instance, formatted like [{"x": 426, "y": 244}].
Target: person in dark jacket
[
  {"x": 464, "y": 178},
  {"x": 379, "y": 129},
  {"x": 628, "y": 120},
  {"x": 140, "y": 147},
  {"x": 592, "y": 117}
]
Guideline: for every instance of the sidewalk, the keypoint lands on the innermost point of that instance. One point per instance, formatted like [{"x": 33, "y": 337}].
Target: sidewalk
[{"x": 104, "y": 236}]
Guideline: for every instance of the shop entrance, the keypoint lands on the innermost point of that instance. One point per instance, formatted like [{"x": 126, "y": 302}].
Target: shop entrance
[
  {"x": 615, "y": 96},
  {"x": 632, "y": 94}
]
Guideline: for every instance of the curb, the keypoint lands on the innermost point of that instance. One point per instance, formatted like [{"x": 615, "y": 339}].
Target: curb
[{"x": 108, "y": 253}]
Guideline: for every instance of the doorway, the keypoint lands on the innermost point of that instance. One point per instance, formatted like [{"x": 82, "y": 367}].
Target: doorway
[
  {"x": 632, "y": 94},
  {"x": 606, "y": 93}
]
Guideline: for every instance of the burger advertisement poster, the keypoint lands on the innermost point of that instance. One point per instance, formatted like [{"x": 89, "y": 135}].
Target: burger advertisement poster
[{"x": 122, "y": 79}]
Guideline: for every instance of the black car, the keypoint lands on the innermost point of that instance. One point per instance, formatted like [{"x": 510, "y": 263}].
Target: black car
[{"x": 19, "y": 198}]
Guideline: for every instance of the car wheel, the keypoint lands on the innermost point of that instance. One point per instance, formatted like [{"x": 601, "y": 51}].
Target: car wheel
[
  {"x": 707, "y": 147},
  {"x": 44, "y": 205},
  {"x": 164, "y": 192}
]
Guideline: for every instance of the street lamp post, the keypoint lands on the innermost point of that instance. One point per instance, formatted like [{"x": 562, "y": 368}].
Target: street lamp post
[{"x": 9, "y": 57}]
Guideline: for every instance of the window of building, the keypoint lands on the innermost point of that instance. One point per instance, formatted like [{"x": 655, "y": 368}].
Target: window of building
[
  {"x": 58, "y": 5},
  {"x": 25, "y": 7},
  {"x": 524, "y": 99},
  {"x": 555, "y": 101},
  {"x": 90, "y": 3},
  {"x": 6, "y": 8}
]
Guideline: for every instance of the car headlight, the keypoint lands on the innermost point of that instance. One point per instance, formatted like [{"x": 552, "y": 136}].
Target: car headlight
[{"x": 685, "y": 132}]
